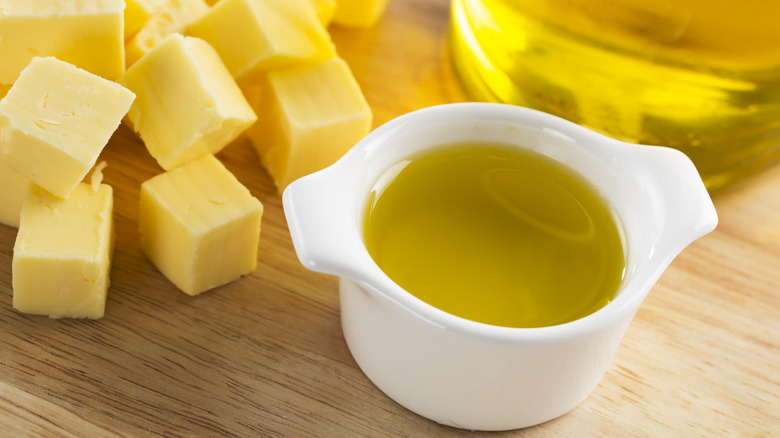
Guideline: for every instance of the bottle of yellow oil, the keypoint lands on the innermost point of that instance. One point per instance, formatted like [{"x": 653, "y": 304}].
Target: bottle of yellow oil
[{"x": 702, "y": 76}]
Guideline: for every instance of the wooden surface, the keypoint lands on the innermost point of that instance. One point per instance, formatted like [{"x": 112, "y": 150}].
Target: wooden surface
[{"x": 265, "y": 356}]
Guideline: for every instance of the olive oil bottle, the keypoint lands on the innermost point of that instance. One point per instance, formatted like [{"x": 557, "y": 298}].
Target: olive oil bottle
[{"x": 702, "y": 76}]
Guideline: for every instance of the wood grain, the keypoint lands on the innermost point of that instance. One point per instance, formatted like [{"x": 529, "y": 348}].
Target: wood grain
[{"x": 265, "y": 356}]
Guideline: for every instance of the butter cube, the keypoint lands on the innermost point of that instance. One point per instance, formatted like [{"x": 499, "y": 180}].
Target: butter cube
[
  {"x": 254, "y": 36},
  {"x": 138, "y": 13},
  {"x": 199, "y": 225},
  {"x": 88, "y": 34},
  {"x": 62, "y": 256},
  {"x": 169, "y": 17},
  {"x": 358, "y": 13},
  {"x": 55, "y": 121},
  {"x": 324, "y": 9},
  {"x": 187, "y": 103},
  {"x": 13, "y": 190},
  {"x": 308, "y": 117}
]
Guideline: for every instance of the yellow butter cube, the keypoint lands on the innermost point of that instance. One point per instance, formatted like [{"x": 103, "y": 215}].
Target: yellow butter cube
[
  {"x": 62, "y": 256},
  {"x": 199, "y": 225},
  {"x": 308, "y": 118},
  {"x": 89, "y": 35},
  {"x": 171, "y": 16},
  {"x": 254, "y": 36},
  {"x": 138, "y": 13},
  {"x": 55, "y": 121},
  {"x": 358, "y": 13},
  {"x": 13, "y": 190},
  {"x": 324, "y": 9},
  {"x": 187, "y": 103}
]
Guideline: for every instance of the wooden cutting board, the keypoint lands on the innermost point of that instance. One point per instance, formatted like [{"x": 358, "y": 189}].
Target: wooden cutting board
[{"x": 265, "y": 356}]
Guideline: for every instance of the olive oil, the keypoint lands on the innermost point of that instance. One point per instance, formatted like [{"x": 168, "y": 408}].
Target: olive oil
[
  {"x": 702, "y": 76},
  {"x": 496, "y": 235}
]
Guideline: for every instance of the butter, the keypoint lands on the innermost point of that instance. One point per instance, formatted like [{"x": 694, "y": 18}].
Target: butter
[
  {"x": 324, "y": 9},
  {"x": 138, "y": 13},
  {"x": 13, "y": 190},
  {"x": 308, "y": 118},
  {"x": 169, "y": 17},
  {"x": 199, "y": 225},
  {"x": 187, "y": 103},
  {"x": 55, "y": 121},
  {"x": 88, "y": 34},
  {"x": 62, "y": 255},
  {"x": 358, "y": 13},
  {"x": 254, "y": 36}
]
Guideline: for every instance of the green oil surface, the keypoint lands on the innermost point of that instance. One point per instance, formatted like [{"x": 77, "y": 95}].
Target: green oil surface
[{"x": 496, "y": 235}]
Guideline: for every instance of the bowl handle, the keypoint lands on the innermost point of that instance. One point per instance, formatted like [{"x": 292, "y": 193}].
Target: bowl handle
[
  {"x": 323, "y": 226},
  {"x": 687, "y": 211}
]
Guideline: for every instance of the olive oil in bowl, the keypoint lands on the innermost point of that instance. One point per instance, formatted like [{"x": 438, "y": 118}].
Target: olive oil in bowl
[{"x": 495, "y": 234}]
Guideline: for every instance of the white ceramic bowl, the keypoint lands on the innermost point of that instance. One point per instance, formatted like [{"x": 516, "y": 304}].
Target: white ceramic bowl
[{"x": 460, "y": 372}]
